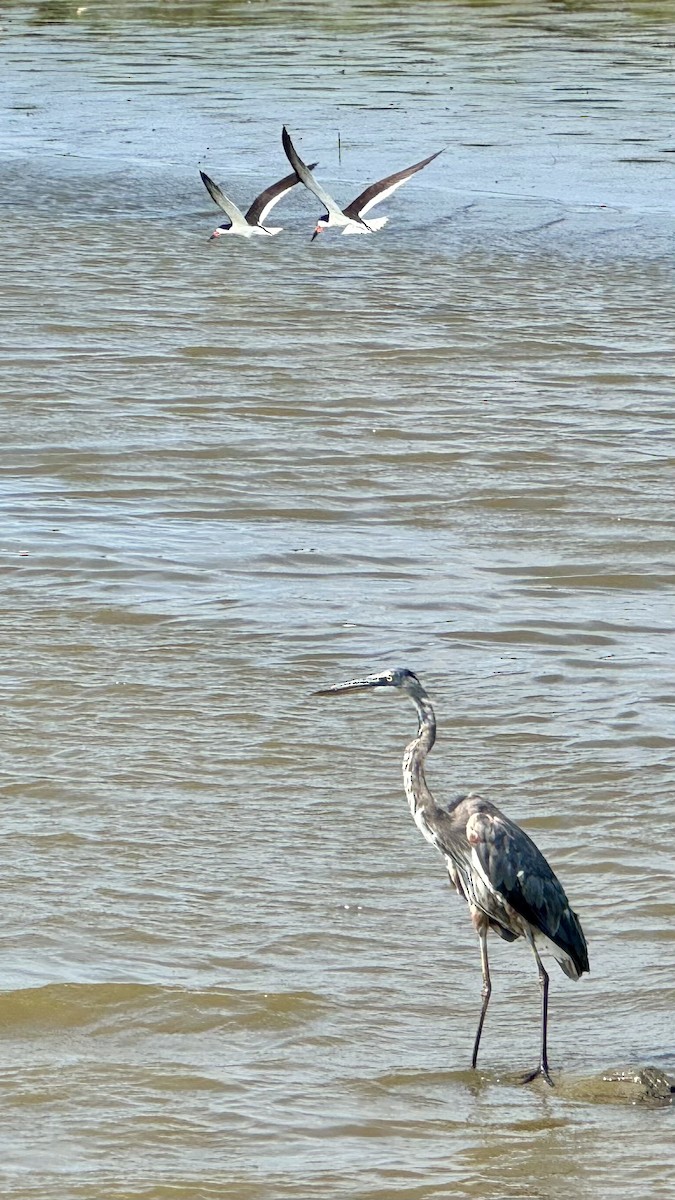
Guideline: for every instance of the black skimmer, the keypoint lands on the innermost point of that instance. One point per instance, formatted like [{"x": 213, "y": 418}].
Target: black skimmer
[
  {"x": 253, "y": 222},
  {"x": 351, "y": 218}
]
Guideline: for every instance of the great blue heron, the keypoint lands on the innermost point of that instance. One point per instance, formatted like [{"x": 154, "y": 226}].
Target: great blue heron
[{"x": 493, "y": 864}]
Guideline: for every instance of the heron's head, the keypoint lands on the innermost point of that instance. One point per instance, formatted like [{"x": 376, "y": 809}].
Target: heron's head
[
  {"x": 321, "y": 224},
  {"x": 397, "y": 677}
]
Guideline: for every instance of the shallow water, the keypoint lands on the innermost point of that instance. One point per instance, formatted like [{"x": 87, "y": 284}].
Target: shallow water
[{"x": 235, "y": 472}]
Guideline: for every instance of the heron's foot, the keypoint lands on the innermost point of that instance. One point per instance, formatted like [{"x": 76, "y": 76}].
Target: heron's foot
[{"x": 542, "y": 1071}]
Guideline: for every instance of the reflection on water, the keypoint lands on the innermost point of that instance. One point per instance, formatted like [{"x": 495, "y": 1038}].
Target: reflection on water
[
  {"x": 233, "y": 474},
  {"x": 178, "y": 13}
]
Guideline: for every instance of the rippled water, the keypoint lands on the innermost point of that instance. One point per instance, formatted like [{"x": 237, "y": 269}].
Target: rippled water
[{"x": 235, "y": 472}]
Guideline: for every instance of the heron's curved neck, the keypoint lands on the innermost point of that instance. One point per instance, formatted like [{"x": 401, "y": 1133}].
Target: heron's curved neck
[{"x": 418, "y": 795}]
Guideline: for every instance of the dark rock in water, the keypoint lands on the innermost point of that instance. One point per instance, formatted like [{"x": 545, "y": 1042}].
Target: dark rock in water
[
  {"x": 620, "y": 1085},
  {"x": 643, "y": 1085}
]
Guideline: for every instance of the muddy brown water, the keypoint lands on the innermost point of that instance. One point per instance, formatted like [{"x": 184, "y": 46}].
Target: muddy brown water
[{"x": 236, "y": 472}]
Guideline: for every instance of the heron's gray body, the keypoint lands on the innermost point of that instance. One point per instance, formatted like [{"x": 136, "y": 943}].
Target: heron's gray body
[
  {"x": 504, "y": 878},
  {"x": 493, "y": 863}
]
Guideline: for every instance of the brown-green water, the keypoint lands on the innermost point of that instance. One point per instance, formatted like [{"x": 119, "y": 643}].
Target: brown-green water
[{"x": 235, "y": 472}]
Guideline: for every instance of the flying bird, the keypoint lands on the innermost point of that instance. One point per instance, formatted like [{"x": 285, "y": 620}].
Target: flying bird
[
  {"x": 493, "y": 864},
  {"x": 352, "y": 218},
  {"x": 253, "y": 222}
]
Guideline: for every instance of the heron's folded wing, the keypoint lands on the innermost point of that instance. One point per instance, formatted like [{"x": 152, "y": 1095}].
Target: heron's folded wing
[{"x": 515, "y": 868}]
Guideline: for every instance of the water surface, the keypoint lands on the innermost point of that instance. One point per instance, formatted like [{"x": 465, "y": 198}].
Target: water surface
[{"x": 235, "y": 472}]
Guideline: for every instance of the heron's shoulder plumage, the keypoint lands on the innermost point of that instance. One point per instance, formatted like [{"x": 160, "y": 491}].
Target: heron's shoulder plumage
[{"x": 453, "y": 816}]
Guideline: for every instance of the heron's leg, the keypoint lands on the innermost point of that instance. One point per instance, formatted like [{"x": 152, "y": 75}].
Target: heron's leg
[
  {"x": 487, "y": 988},
  {"x": 542, "y": 1069}
]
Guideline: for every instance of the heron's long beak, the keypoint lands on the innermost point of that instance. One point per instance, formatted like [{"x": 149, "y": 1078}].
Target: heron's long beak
[{"x": 352, "y": 685}]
